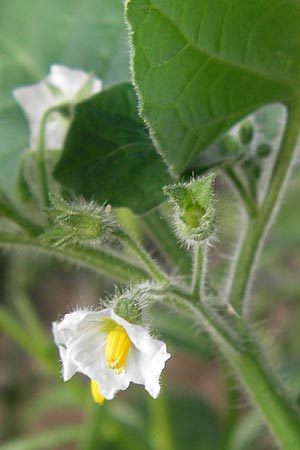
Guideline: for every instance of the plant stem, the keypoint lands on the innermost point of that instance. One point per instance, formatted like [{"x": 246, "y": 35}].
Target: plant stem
[
  {"x": 231, "y": 403},
  {"x": 9, "y": 211},
  {"x": 258, "y": 225},
  {"x": 99, "y": 260},
  {"x": 245, "y": 357},
  {"x": 166, "y": 241},
  {"x": 241, "y": 190},
  {"x": 150, "y": 265},
  {"x": 160, "y": 434},
  {"x": 197, "y": 271},
  {"x": 42, "y": 169}
]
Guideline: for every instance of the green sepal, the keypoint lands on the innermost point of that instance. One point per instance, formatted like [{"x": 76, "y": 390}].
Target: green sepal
[
  {"x": 194, "y": 214},
  {"x": 128, "y": 310},
  {"x": 130, "y": 303}
]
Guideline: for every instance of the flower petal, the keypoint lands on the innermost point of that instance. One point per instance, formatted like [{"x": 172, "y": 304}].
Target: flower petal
[
  {"x": 62, "y": 85},
  {"x": 70, "y": 81},
  {"x": 81, "y": 338},
  {"x": 34, "y": 100},
  {"x": 146, "y": 361}
]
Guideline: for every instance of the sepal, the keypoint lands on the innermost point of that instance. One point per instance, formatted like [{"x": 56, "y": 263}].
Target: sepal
[{"x": 194, "y": 214}]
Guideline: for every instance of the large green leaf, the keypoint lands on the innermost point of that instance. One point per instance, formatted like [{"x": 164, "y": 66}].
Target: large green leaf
[
  {"x": 108, "y": 154},
  {"x": 201, "y": 65},
  {"x": 84, "y": 34}
]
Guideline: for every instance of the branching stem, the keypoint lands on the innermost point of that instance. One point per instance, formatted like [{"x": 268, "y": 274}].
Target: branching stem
[
  {"x": 245, "y": 357},
  {"x": 259, "y": 224}
]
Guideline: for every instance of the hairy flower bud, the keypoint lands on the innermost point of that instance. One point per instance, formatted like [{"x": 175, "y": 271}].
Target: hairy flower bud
[
  {"x": 77, "y": 222},
  {"x": 194, "y": 215}
]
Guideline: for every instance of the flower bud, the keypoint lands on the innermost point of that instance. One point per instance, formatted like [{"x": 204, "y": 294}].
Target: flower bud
[
  {"x": 194, "y": 215},
  {"x": 263, "y": 150},
  {"x": 246, "y": 132},
  {"x": 77, "y": 222}
]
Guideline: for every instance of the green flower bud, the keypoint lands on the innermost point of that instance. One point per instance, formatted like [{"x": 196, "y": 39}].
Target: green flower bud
[
  {"x": 263, "y": 150},
  {"x": 77, "y": 222},
  {"x": 229, "y": 145},
  {"x": 194, "y": 215},
  {"x": 246, "y": 132}
]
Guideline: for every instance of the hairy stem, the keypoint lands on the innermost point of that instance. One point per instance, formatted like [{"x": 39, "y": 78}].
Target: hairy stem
[
  {"x": 150, "y": 265},
  {"x": 259, "y": 224},
  {"x": 246, "y": 359},
  {"x": 9, "y": 211},
  {"x": 102, "y": 261},
  {"x": 197, "y": 271},
  {"x": 167, "y": 242}
]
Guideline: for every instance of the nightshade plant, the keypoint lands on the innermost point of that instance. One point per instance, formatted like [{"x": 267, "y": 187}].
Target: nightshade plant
[{"x": 214, "y": 94}]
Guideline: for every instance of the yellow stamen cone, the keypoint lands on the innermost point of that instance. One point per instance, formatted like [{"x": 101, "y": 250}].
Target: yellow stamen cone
[
  {"x": 117, "y": 348},
  {"x": 97, "y": 397}
]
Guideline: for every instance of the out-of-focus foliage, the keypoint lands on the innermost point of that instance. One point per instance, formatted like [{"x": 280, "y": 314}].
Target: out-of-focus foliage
[{"x": 90, "y": 35}]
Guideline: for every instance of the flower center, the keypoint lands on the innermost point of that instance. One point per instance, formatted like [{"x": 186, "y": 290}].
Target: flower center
[
  {"x": 117, "y": 348},
  {"x": 97, "y": 397}
]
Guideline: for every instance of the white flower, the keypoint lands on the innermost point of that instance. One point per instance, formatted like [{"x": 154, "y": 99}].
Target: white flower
[
  {"x": 62, "y": 86},
  {"x": 110, "y": 351}
]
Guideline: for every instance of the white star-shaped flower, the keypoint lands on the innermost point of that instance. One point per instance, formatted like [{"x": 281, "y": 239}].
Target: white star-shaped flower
[
  {"x": 62, "y": 86},
  {"x": 111, "y": 351}
]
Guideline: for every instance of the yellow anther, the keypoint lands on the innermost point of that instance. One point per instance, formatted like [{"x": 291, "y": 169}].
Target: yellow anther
[
  {"x": 97, "y": 397},
  {"x": 117, "y": 348}
]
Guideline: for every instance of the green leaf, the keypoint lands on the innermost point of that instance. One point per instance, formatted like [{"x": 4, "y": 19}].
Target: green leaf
[
  {"x": 83, "y": 34},
  {"x": 220, "y": 60},
  {"x": 108, "y": 154}
]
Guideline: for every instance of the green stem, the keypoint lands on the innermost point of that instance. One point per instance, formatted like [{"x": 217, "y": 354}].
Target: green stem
[
  {"x": 42, "y": 169},
  {"x": 258, "y": 225},
  {"x": 241, "y": 190},
  {"x": 150, "y": 265},
  {"x": 167, "y": 243},
  {"x": 197, "y": 271},
  {"x": 99, "y": 260},
  {"x": 246, "y": 359},
  {"x": 9, "y": 211},
  {"x": 231, "y": 406},
  {"x": 160, "y": 434}
]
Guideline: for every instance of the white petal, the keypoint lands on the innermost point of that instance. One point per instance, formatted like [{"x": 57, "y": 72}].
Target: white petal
[
  {"x": 81, "y": 342},
  {"x": 34, "y": 100},
  {"x": 146, "y": 361},
  {"x": 55, "y": 131},
  {"x": 38, "y": 98},
  {"x": 70, "y": 81}
]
